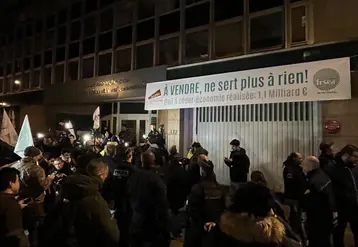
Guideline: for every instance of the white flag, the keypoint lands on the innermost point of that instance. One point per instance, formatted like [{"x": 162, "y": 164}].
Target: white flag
[
  {"x": 8, "y": 133},
  {"x": 70, "y": 129},
  {"x": 96, "y": 118},
  {"x": 25, "y": 138}
]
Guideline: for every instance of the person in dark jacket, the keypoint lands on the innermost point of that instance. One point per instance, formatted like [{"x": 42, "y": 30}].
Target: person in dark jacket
[
  {"x": 239, "y": 164},
  {"x": 293, "y": 176},
  {"x": 11, "y": 228},
  {"x": 326, "y": 158},
  {"x": 250, "y": 221},
  {"x": 194, "y": 168},
  {"x": 108, "y": 158},
  {"x": 345, "y": 181},
  {"x": 318, "y": 205},
  {"x": 150, "y": 219}
]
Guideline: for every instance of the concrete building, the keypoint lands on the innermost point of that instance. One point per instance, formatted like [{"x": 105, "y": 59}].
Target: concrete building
[{"x": 64, "y": 58}]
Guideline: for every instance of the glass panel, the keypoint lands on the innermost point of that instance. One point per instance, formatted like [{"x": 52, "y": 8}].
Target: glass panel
[
  {"x": 90, "y": 25},
  {"x": 74, "y": 50},
  {"x": 227, "y": 9},
  {"x": 105, "y": 41},
  {"x": 1, "y": 85},
  {"x": 87, "y": 67},
  {"x": 60, "y": 54},
  {"x": 38, "y": 44},
  {"x": 19, "y": 33},
  {"x": 298, "y": 27},
  {"x": 198, "y": 15},
  {"x": 76, "y": 10},
  {"x": 27, "y": 63},
  {"x": 36, "y": 79},
  {"x": 49, "y": 39},
  {"x": 17, "y": 66},
  {"x": 62, "y": 16},
  {"x": 88, "y": 46},
  {"x": 61, "y": 35},
  {"x": 47, "y": 76},
  {"x": 50, "y": 21},
  {"x": 60, "y": 74},
  {"x": 18, "y": 52},
  {"x": 28, "y": 46},
  {"x": 124, "y": 14},
  {"x": 132, "y": 128},
  {"x": 90, "y": 5},
  {"x": 145, "y": 56},
  {"x": 104, "y": 64},
  {"x": 173, "y": 19},
  {"x": 228, "y": 39},
  {"x": 168, "y": 5},
  {"x": 106, "y": 20},
  {"x": 145, "y": 30},
  {"x": 124, "y": 36},
  {"x": 142, "y": 131},
  {"x": 188, "y": 2},
  {"x": 258, "y": 5},
  {"x": 25, "y": 81},
  {"x": 7, "y": 84},
  {"x": 146, "y": 9},
  {"x": 29, "y": 29},
  {"x": 123, "y": 60},
  {"x": 73, "y": 70},
  {"x": 37, "y": 60},
  {"x": 104, "y": 3},
  {"x": 197, "y": 46},
  {"x": 267, "y": 31},
  {"x": 169, "y": 51},
  {"x": 48, "y": 57},
  {"x": 16, "y": 87},
  {"x": 75, "y": 30}
]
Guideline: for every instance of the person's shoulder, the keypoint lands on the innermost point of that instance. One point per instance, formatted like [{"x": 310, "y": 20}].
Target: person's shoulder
[{"x": 8, "y": 202}]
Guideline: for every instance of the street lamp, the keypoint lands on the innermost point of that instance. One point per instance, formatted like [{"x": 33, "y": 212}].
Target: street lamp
[
  {"x": 17, "y": 82},
  {"x": 68, "y": 126}
]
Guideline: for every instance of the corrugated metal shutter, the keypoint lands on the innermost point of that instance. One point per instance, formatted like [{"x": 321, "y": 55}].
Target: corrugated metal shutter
[{"x": 268, "y": 132}]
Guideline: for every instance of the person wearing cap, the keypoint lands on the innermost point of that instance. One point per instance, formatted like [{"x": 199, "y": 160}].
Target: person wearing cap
[
  {"x": 239, "y": 164},
  {"x": 326, "y": 158}
]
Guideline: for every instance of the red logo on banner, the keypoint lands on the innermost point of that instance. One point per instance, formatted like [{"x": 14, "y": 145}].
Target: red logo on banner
[{"x": 332, "y": 127}]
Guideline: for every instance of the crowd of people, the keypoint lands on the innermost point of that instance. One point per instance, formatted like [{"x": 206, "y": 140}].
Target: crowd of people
[{"x": 126, "y": 197}]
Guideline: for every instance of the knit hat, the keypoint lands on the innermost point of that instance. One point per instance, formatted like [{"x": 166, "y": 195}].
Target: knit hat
[{"x": 32, "y": 152}]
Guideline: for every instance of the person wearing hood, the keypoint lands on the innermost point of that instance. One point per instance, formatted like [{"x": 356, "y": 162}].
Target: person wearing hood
[
  {"x": 239, "y": 164},
  {"x": 326, "y": 158},
  {"x": 250, "y": 221},
  {"x": 345, "y": 187}
]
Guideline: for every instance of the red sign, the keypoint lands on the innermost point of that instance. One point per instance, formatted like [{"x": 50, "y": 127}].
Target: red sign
[{"x": 332, "y": 127}]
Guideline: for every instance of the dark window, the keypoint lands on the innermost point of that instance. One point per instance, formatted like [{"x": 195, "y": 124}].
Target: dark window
[
  {"x": 9, "y": 52},
  {"x": 74, "y": 50},
  {"x": 228, "y": 39},
  {"x": 38, "y": 43},
  {"x": 174, "y": 26},
  {"x": 2, "y": 85},
  {"x": 267, "y": 31},
  {"x": 90, "y": 25},
  {"x": 60, "y": 54},
  {"x": 123, "y": 60},
  {"x": 17, "y": 66},
  {"x": 146, "y": 9},
  {"x": 258, "y": 5},
  {"x": 7, "y": 85},
  {"x": 28, "y": 46},
  {"x": 106, "y": 20},
  {"x": 188, "y": 2},
  {"x": 59, "y": 73},
  {"x": 88, "y": 46},
  {"x": 61, "y": 35},
  {"x": 11, "y": 37},
  {"x": 37, "y": 60},
  {"x": 50, "y": 21},
  {"x": 90, "y": 5},
  {"x": 9, "y": 69},
  {"x": 39, "y": 26},
  {"x": 104, "y": 64},
  {"x": 18, "y": 51},
  {"x": 105, "y": 41},
  {"x": 145, "y": 56},
  {"x": 197, "y": 46},
  {"x": 169, "y": 51},
  {"x": 75, "y": 30},
  {"x": 104, "y": 3},
  {"x": 29, "y": 30},
  {"x": 48, "y": 57},
  {"x": 25, "y": 81},
  {"x": 27, "y": 63},
  {"x": 168, "y": 5},
  {"x": 47, "y": 76},
  {"x": 62, "y": 16},
  {"x": 298, "y": 17},
  {"x": 36, "y": 77},
  {"x": 73, "y": 71},
  {"x": 76, "y": 10},
  {"x": 145, "y": 30},
  {"x": 124, "y": 13},
  {"x": 19, "y": 33},
  {"x": 49, "y": 39},
  {"x": 227, "y": 9},
  {"x": 124, "y": 36},
  {"x": 197, "y": 15},
  {"x": 87, "y": 67},
  {"x": 1, "y": 71}
]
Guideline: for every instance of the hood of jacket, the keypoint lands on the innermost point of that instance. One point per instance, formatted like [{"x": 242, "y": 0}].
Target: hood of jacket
[
  {"x": 80, "y": 185},
  {"x": 247, "y": 229}
]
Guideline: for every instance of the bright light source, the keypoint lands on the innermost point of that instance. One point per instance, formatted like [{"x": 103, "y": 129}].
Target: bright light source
[
  {"x": 4, "y": 104},
  {"x": 126, "y": 144},
  {"x": 144, "y": 136},
  {"x": 17, "y": 82},
  {"x": 40, "y": 135},
  {"x": 86, "y": 137},
  {"x": 68, "y": 126}
]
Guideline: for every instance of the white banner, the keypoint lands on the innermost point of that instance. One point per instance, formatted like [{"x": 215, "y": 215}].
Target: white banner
[{"x": 314, "y": 81}]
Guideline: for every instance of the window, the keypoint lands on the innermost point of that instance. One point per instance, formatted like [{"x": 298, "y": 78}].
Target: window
[
  {"x": 168, "y": 5},
  {"x": 16, "y": 87},
  {"x": 48, "y": 57},
  {"x": 17, "y": 66},
  {"x": 62, "y": 16},
  {"x": 59, "y": 73},
  {"x": 76, "y": 10},
  {"x": 2, "y": 85},
  {"x": 61, "y": 35},
  {"x": 104, "y": 64},
  {"x": 90, "y": 5},
  {"x": 36, "y": 77},
  {"x": 169, "y": 51},
  {"x": 266, "y": 31},
  {"x": 50, "y": 21},
  {"x": 75, "y": 30},
  {"x": 123, "y": 60},
  {"x": 146, "y": 9},
  {"x": 145, "y": 56},
  {"x": 28, "y": 46},
  {"x": 27, "y": 63},
  {"x": 73, "y": 71},
  {"x": 18, "y": 51},
  {"x": 197, "y": 46},
  {"x": 124, "y": 36},
  {"x": 227, "y": 9},
  {"x": 38, "y": 43},
  {"x": 47, "y": 76},
  {"x": 37, "y": 60},
  {"x": 29, "y": 30},
  {"x": 74, "y": 50},
  {"x": 2, "y": 55},
  {"x": 7, "y": 84},
  {"x": 25, "y": 81},
  {"x": 1, "y": 71},
  {"x": 9, "y": 69},
  {"x": 49, "y": 39},
  {"x": 298, "y": 24},
  {"x": 90, "y": 25},
  {"x": 173, "y": 19},
  {"x": 105, "y": 41},
  {"x": 124, "y": 14},
  {"x": 259, "y": 5},
  {"x": 106, "y": 20},
  {"x": 197, "y": 15},
  {"x": 228, "y": 39},
  {"x": 145, "y": 30},
  {"x": 39, "y": 26},
  {"x": 88, "y": 46},
  {"x": 20, "y": 33},
  {"x": 60, "y": 54},
  {"x": 104, "y": 3},
  {"x": 188, "y": 2},
  {"x": 87, "y": 67}
]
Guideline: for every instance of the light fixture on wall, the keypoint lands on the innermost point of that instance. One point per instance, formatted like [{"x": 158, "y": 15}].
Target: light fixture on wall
[{"x": 17, "y": 82}]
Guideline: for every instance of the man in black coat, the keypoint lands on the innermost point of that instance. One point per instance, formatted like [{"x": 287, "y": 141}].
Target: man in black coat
[{"x": 326, "y": 159}]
